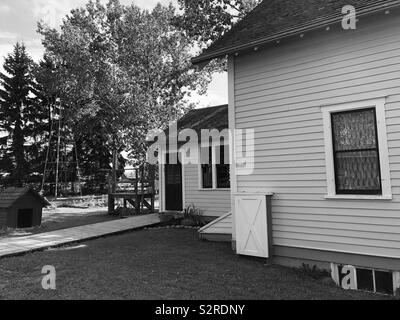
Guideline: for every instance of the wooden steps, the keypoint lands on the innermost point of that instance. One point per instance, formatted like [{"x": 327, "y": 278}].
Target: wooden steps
[{"x": 219, "y": 230}]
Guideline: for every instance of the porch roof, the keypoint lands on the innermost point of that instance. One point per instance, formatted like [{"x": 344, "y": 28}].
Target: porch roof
[{"x": 205, "y": 118}]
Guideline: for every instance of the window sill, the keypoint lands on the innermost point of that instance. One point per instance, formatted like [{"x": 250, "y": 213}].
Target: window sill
[{"x": 357, "y": 197}]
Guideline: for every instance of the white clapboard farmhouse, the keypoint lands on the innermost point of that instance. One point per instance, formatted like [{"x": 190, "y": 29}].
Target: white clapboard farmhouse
[
  {"x": 206, "y": 187},
  {"x": 325, "y": 106}
]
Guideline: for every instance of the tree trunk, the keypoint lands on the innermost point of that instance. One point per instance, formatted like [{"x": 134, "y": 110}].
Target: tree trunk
[
  {"x": 111, "y": 199},
  {"x": 18, "y": 151},
  {"x": 114, "y": 171}
]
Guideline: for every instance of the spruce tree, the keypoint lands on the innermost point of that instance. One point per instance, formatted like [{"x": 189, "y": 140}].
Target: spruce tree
[{"x": 20, "y": 113}]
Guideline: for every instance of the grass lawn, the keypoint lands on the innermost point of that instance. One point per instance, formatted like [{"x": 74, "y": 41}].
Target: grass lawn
[
  {"x": 62, "y": 218},
  {"x": 159, "y": 264}
]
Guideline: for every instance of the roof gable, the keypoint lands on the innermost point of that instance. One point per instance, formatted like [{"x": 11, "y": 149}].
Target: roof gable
[
  {"x": 205, "y": 118},
  {"x": 10, "y": 195},
  {"x": 275, "y": 19}
]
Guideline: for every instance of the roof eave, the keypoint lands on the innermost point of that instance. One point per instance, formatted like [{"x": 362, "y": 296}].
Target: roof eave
[{"x": 204, "y": 58}]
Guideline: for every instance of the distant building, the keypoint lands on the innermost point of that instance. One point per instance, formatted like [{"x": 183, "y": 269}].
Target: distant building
[{"x": 207, "y": 186}]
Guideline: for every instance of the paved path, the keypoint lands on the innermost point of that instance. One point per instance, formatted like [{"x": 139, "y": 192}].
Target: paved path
[{"x": 41, "y": 241}]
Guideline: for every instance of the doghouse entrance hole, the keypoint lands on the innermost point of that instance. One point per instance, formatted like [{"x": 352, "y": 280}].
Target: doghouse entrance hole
[{"x": 25, "y": 218}]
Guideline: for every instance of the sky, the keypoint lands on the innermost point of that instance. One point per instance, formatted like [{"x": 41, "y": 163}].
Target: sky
[{"x": 18, "y": 21}]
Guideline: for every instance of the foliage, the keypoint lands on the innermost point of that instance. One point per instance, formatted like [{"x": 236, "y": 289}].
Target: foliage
[
  {"x": 194, "y": 214},
  {"x": 314, "y": 272},
  {"x": 94, "y": 157},
  {"x": 122, "y": 71},
  {"x": 207, "y": 20},
  {"x": 22, "y": 117}
]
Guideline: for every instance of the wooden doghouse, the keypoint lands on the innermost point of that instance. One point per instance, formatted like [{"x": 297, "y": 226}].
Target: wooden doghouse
[{"x": 21, "y": 208}]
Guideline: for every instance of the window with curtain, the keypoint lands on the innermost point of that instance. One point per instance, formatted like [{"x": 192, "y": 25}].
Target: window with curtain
[{"x": 356, "y": 152}]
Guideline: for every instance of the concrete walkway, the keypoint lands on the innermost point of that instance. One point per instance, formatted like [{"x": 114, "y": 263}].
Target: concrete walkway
[{"x": 41, "y": 241}]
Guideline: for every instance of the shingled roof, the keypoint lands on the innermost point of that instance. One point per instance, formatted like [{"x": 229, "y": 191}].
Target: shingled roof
[
  {"x": 206, "y": 118},
  {"x": 272, "y": 20},
  {"x": 10, "y": 195}
]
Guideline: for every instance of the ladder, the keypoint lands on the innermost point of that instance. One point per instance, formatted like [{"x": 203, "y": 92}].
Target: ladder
[{"x": 61, "y": 155}]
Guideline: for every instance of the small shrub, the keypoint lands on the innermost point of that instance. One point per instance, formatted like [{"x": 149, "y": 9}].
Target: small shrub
[
  {"x": 192, "y": 216},
  {"x": 314, "y": 272},
  {"x": 170, "y": 218}
]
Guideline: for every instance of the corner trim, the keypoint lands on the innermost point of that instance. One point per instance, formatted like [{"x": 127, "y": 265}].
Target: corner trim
[{"x": 232, "y": 128}]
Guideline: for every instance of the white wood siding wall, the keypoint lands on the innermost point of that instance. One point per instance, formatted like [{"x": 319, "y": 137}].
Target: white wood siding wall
[
  {"x": 213, "y": 203},
  {"x": 279, "y": 92},
  {"x": 223, "y": 226}
]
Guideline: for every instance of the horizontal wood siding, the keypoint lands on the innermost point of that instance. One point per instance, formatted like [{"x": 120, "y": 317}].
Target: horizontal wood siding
[
  {"x": 279, "y": 92},
  {"x": 213, "y": 203},
  {"x": 224, "y": 226}
]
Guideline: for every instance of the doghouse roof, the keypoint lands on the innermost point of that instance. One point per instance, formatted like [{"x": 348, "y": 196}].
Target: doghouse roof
[
  {"x": 10, "y": 195},
  {"x": 274, "y": 20}
]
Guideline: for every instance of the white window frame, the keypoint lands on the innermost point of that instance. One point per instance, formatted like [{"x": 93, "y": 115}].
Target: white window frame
[
  {"x": 379, "y": 105},
  {"x": 214, "y": 167},
  {"x": 335, "y": 276}
]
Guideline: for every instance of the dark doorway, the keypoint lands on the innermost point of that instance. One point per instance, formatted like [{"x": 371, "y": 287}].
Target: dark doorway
[
  {"x": 173, "y": 185},
  {"x": 25, "y": 218}
]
